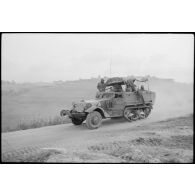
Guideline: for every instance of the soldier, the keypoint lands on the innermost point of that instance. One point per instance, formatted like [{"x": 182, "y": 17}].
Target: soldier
[
  {"x": 101, "y": 86},
  {"x": 139, "y": 93},
  {"x": 131, "y": 87},
  {"x": 142, "y": 88}
]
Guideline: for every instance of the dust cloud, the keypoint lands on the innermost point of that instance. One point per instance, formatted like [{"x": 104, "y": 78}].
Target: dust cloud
[{"x": 172, "y": 100}]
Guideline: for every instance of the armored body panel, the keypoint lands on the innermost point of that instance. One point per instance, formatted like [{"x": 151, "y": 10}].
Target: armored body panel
[{"x": 131, "y": 98}]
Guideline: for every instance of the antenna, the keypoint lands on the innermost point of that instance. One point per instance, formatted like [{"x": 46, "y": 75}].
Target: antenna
[{"x": 110, "y": 61}]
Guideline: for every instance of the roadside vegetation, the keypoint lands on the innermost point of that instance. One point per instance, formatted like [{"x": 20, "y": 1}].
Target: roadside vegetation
[{"x": 37, "y": 122}]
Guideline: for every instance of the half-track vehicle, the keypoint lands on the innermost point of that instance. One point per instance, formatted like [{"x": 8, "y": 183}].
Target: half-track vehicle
[{"x": 133, "y": 105}]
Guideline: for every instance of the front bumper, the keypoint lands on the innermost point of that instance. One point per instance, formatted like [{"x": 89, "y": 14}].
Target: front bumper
[{"x": 73, "y": 114}]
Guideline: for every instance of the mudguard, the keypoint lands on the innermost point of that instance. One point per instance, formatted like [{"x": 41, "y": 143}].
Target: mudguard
[{"x": 92, "y": 108}]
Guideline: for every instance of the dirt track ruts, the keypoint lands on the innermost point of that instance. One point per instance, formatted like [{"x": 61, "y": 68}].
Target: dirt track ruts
[{"x": 67, "y": 136}]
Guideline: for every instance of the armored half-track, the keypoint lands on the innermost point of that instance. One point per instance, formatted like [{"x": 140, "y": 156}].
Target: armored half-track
[{"x": 132, "y": 105}]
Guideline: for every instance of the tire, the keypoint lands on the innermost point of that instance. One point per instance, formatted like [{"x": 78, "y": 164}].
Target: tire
[
  {"x": 76, "y": 121},
  {"x": 93, "y": 120}
]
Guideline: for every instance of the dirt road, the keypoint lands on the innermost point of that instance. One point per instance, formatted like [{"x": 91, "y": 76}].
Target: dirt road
[
  {"x": 66, "y": 135},
  {"x": 19, "y": 145}
]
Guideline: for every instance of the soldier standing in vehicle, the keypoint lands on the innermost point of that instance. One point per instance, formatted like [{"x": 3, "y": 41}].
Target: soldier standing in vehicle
[
  {"x": 131, "y": 87},
  {"x": 101, "y": 86}
]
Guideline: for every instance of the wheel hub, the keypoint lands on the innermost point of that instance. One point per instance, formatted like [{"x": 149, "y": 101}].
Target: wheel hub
[{"x": 95, "y": 120}]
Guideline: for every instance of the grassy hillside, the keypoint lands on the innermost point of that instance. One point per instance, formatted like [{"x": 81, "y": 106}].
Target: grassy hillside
[
  {"x": 27, "y": 102},
  {"x": 43, "y": 101}
]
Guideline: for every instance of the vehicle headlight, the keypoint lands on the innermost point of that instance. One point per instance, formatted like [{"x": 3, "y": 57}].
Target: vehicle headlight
[{"x": 88, "y": 105}]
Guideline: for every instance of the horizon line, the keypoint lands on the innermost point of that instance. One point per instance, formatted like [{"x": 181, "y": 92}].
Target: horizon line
[{"x": 98, "y": 77}]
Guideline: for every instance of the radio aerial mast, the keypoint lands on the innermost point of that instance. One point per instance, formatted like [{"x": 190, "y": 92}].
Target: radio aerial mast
[{"x": 110, "y": 61}]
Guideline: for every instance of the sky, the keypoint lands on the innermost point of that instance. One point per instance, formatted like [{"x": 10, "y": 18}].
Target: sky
[{"x": 47, "y": 57}]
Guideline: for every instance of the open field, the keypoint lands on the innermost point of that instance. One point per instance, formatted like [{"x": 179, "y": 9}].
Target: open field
[
  {"x": 27, "y": 103},
  {"x": 147, "y": 141}
]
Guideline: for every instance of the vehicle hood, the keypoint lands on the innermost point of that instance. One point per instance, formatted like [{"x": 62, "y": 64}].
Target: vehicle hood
[
  {"x": 85, "y": 104},
  {"x": 92, "y": 101}
]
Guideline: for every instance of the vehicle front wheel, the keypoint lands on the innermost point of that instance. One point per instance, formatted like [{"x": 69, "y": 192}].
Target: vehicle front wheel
[
  {"x": 93, "y": 120},
  {"x": 77, "y": 121}
]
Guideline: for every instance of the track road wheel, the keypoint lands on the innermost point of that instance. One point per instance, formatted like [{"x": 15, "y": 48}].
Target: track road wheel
[
  {"x": 93, "y": 120},
  {"x": 77, "y": 121},
  {"x": 147, "y": 111},
  {"x": 130, "y": 114}
]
